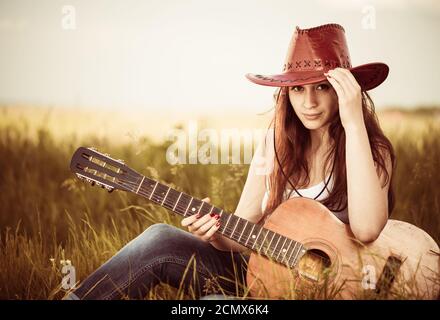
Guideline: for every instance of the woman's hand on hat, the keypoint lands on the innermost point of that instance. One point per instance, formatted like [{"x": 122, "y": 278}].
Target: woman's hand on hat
[
  {"x": 349, "y": 97},
  {"x": 203, "y": 226}
]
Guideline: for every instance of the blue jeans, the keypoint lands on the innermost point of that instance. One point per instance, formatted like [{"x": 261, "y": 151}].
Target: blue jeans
[{"x": 163, "y": 253}]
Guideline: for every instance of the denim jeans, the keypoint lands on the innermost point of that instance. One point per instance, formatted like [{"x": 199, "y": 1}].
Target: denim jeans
[{"x": 163, "y": 253}]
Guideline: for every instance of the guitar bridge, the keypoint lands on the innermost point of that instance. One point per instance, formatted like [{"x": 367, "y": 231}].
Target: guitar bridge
[{"x": 389, "y": 273}]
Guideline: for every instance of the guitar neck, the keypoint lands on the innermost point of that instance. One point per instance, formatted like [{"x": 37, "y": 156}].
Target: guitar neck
[{"x": 253, "y": 236}]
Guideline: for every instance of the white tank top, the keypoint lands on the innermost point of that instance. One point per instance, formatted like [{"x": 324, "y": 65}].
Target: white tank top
[{"x": 311, "y": 193}]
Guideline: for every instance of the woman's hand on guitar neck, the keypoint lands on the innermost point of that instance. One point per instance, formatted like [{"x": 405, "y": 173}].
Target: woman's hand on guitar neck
[{"x": 203, "y": 227}]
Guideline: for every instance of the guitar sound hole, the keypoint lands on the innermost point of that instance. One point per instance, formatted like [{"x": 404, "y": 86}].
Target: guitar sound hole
[{"x": 314, "y": 265}]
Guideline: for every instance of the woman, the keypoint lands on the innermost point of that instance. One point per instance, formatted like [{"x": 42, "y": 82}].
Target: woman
[{"x": 326, "y": 144}]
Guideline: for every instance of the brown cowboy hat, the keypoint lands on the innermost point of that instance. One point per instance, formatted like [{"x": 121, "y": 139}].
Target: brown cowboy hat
[{"x": 317, "y": 50}]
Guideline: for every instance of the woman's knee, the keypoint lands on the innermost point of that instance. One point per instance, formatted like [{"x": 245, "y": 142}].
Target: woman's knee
[
  {"x": 160, "y": 232},
  {"x": 158, "y": 229},
  {"x": 159, "y": 236}
]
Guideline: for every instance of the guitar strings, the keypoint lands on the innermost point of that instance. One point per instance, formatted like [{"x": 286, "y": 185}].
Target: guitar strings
[
  {"x": 132, "y": 186},
  {"x": 229, "y": 228},
  {"x": 171, "y": 199},
  {"x": 267, "y": 251}
]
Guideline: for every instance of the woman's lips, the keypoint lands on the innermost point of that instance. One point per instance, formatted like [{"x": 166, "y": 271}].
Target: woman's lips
[{"x": 312, "y": 116}]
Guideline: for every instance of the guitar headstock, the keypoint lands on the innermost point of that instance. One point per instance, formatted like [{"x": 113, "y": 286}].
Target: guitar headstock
[{"x": 102, "y": 170}]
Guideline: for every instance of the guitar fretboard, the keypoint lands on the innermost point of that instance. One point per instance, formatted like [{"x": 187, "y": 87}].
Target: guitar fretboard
[{"x": 253, "y": 236}]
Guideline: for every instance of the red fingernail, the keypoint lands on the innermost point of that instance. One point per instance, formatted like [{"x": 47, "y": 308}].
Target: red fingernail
[
  {"x": 212, "y": 214},
  {"x": 217, "y": 216}
]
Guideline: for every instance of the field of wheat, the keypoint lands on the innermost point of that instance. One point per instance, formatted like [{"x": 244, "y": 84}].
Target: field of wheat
[{"x": 49, "y": 218}]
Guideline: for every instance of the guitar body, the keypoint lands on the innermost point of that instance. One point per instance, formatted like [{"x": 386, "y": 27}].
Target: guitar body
[{"x": 403, "y": 261}]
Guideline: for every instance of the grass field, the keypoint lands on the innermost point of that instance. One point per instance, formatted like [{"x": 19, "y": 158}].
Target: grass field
[{"x": 48, "y": 216}]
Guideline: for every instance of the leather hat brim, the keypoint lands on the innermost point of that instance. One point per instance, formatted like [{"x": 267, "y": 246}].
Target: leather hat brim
[{"x": 369, "y": 76}]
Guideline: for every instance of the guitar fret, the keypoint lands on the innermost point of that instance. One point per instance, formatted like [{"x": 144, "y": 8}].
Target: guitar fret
[
  {"x": 241, "y": 234},
  {"x": 184, "y": 200},
  {"x": 169, "y": 188},
  {"x": 268, "y": 247},
  {"x": 224, "y": 229},
  {"x": 151, "y": 195},
  {"x": 205, "y": 206},
  {"x": 262, "y": 242},
  {"x": 287, "y": 251},
  {"x": 140, "y": 184},
  {"x": 198, "y": 211},
  {"x": 158, "y": 193},
  {"x": 275, "y": 249},
  {"x": 285, "y": 239},
  {"x": 193, "y": 207},
  {"x": 174, "y": 208},
  {"x": 293, "y": 250},
  {"x": 171, "y": 199},
  {"x": 249, "y": 236},
  {"x": 296, "y": 255},
  {"x": 186, "y": 210},
  {"x": 233, "y": 230},
  {"x": 256, "y": 239}
]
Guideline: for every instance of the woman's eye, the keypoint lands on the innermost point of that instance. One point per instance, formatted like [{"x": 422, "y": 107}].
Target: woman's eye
[
  {"x": 296, "y": 88},
  {"x": 323, "y": 86}
]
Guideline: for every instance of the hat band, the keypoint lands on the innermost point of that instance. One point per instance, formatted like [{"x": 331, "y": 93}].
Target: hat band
[
  {"x": 316, "y": 64},
  {"x": 259, "y": 76}
]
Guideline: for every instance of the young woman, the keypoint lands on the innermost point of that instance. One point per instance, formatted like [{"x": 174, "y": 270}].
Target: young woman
[{"x": 326, "y": 144}]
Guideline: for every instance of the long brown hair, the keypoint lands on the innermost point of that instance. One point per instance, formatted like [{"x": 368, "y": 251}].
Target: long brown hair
[{"x": 292, "y": 140}]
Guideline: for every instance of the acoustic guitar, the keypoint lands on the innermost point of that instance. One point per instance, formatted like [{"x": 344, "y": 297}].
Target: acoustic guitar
[{"x": 301, "y": 249}]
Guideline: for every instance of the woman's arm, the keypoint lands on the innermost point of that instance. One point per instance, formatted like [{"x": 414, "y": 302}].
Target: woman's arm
[{"x": 367, "y": 199}]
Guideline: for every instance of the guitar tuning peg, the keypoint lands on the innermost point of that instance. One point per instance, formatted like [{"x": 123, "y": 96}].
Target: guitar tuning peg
[
  {"x": 120, "y": 161},
  {"x": 110, "y": 190},
  {"x": 92, "y": 183},
  {"x": 107, "y": 154}
]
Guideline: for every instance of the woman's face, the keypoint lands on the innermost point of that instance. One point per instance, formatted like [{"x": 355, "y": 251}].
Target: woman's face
[{"x": 318, "y": 100}]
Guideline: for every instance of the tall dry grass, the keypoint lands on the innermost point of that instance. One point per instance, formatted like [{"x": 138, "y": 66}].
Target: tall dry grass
[{"x": 48, "y": 216}]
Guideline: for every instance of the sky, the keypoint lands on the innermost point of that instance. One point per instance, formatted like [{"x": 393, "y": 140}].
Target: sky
[{"x": 181, "y": 56}]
